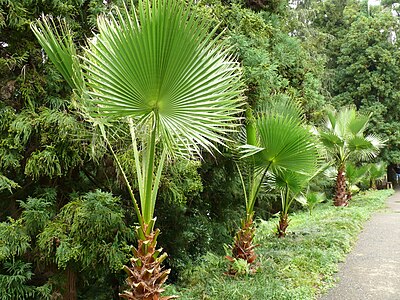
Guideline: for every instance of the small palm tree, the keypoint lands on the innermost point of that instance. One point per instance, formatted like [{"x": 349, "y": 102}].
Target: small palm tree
[
  {"x": 291, "y": 186},
  {"x": 376, "y": 171},
  {"x": 159, "y": 71},
  {"x": 311, "y": 200},
  {"x": 276, "y": 141},
  {"x": 344, "y": 139},
  {"x": 354, "y": 175}
]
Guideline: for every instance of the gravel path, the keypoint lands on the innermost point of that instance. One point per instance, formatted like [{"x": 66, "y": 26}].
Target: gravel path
[{"x": 372, "y": 269}]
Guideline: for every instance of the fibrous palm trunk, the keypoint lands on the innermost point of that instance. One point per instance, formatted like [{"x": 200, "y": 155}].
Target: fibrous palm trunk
[
  {"x": 341, "y": 191},
  {"x": 282, "y": 225},
  {"x": 145, "y": 274},
  {"x": 243, "y": 247}
]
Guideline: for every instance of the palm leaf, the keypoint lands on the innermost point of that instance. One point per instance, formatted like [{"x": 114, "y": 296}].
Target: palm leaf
[
  {"x": 287, "y": 145},
  {"x": 59, "y": 46},
  {"x": 331, "y": 140},
  {"x": 343, "y": 118},
  {"x": 377, "y": 170},
  {"x": 365, "y": 147},
  {"x": 358, "y": 125},
  {"x": 354, "y": 174},
  {"x": 283, "y": 105},
  {"x": 293, "y": 181},
  {"x": 153, "y": 65}
]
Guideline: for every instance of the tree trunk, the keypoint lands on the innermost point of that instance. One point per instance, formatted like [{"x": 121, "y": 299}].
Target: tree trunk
[
  {"x": 341, "y": 194},
  {"x": 70, "y": 287},
  {"x": 145, "y": 272},
  {"x": 349, "y": 195},
  {"x": 243, "y": 247},
  {"x": 283, "y": 225}
]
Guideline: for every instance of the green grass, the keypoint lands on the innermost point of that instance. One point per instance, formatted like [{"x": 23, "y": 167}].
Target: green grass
[{"x": 300, "y": 266}]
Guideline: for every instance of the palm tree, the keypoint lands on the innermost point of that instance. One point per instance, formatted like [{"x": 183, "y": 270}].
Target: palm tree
[
  {"x": 311, "y": 199},
  {"x": 344, "y": 139},
  {"x": 276, "y": 141},
  {"x": 290, "y": 184},
  {"x": 376, "y": 171},
  {"x": 354, "y": 175},
  {"x": 159, "y": 71}
]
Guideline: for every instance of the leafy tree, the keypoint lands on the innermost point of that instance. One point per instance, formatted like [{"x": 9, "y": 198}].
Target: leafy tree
[
  {"x": 16, "y": 274},
  {"x": 47, "y": 151},
  {"x": 161, "y": 72},
  {"x": 368, "y": 70},
  {"x": 344, "y": 138},
  {"x": 275, "y": 62},
  {"x": 87, "y": 238}
]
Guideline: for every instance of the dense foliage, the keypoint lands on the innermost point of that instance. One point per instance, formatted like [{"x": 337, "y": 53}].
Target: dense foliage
[{"x": 66, "y": 218}]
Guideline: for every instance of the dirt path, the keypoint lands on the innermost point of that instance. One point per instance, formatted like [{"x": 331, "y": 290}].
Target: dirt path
[{"x": 372, "y": 269}]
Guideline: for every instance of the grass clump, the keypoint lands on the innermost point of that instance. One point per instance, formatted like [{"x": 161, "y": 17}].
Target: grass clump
[{"x": 300, "y": 266}]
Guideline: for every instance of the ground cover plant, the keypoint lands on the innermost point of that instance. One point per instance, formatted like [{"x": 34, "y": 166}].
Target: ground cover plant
[{"x": 298, "y": 267}]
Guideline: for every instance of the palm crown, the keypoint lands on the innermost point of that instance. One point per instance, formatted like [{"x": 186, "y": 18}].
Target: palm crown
[
  {"x": 277, "y": 141},
  {"x": 158, "y": 67},
  {"x": 344, "y": 137}
]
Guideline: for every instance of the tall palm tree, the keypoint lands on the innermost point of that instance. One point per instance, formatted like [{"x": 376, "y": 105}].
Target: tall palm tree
[
  {"x": 159, "y": 71},
  {"x": 344, "y": 138},
  {"x": 276, "y": 141}
]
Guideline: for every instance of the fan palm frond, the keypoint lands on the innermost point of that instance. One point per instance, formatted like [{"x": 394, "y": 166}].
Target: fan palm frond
[
  {"x": 56, "y": 38},
  {"x": 365, "y": 148},
  {"x": 287, "y": 145},
  {"x": 283, "y": 105},
  {"x": 151, "y": 65},
  {"x": 157, "y": 63},
  {"x": 294, "y": 182}
]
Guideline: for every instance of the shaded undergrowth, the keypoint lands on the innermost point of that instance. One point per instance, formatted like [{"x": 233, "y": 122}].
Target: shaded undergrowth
[{"x": 300, "y": 266}]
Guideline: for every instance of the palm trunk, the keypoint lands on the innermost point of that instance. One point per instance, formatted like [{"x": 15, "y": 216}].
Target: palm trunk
[
  {"x": 145, "y": 274},
  {"x": 243, "y": 247},
  {"x": 283, "y": 225},
  {"x": 340, "y": 194}
]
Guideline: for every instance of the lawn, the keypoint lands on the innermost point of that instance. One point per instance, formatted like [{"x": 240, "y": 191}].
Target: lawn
[{"x": 300, "y": 266}]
